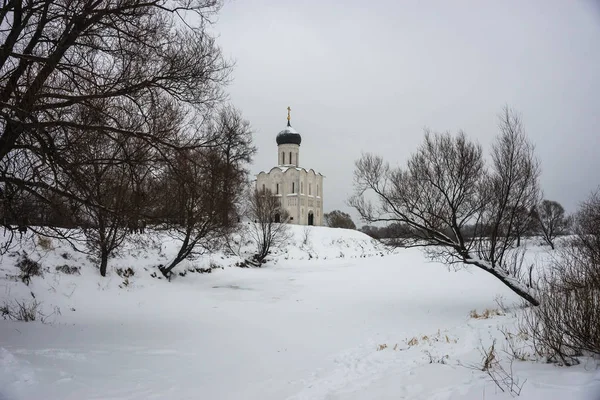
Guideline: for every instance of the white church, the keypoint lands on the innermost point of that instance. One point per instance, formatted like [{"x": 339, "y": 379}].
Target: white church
[{"x": 300, "y": 190}]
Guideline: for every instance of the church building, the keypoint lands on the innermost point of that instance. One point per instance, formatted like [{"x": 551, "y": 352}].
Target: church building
[{"x": 300, "y": 190}]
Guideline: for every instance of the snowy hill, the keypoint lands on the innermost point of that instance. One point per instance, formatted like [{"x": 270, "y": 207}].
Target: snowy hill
[{"x": 332, "y": 315}]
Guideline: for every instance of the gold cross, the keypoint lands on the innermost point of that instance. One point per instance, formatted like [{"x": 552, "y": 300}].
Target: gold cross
[{"x": 289, "y": 109}]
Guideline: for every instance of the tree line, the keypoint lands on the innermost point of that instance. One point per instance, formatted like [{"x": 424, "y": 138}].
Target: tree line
[{"x": 547, "y": 220}]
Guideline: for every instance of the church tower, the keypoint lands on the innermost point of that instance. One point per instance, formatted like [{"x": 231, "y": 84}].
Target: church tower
[
  {"x": 288, "y": 145},
  {"x": 299, "y": 190}
]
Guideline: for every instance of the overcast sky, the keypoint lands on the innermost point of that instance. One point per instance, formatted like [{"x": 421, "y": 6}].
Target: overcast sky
[{"x": 368, "y": 76}]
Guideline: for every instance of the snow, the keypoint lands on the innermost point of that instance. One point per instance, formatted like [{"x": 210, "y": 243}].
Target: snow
[
  {"x": 288, "y": 129},
  {"x": 284, "y": 168},
  {"x": 334, "y": 315}
]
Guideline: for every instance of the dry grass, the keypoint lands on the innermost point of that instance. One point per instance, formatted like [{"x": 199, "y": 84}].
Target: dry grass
[
  {"x": 385, "y": 346},
  {"x": 45, "y": 243},
  {"x": 486, "y": 314},
  {"x": 438, "y": 337}
]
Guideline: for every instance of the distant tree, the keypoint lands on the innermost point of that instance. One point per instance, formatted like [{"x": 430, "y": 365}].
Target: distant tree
[
  {"x": 446, "y": 190},
  {"x": 269, "y": 229},
  {"x": 339, "y": 219},
  {"x": 524, "y": 223},
  {"x": 372, "y": 231},
  {"x": 396, "y": 230},
  {"x": 551, "y": 220}
]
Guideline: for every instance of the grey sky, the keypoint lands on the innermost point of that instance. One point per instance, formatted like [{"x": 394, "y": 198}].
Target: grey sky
[{"x": 370, "y": 75}]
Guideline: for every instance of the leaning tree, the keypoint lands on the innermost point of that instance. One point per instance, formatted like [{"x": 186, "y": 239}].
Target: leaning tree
[
  {"x": 457, "y": 207},
  {"x": 201, "y": 189}
]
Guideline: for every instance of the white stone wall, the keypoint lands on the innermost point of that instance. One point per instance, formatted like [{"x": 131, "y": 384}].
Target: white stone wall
[{"x": 300, "y": 191}]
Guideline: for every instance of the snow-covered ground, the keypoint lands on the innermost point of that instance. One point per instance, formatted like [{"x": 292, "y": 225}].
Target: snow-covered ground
[{"x": 333, "y": 316}]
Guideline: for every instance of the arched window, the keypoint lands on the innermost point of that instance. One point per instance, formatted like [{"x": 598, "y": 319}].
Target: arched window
[
  {"x": 301, "y": 187},
  {"x": 282, "y": 157},
  {"x": 317, "y": 189},
  {"x": 291, "y": 162},
  {"x": 293, "y": 187},
  {"x": 310, "y": 189},
  {"x": 277, "y": 188},
  {"x": 264, "y": 189}
]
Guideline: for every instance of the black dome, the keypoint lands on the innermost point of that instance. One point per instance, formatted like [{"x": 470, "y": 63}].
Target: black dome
[{"x": 289, "y": 136}]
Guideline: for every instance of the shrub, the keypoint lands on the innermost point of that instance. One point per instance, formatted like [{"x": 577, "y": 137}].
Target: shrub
[
  {"x": 20, "y": 310},
  {"x": 69, "y": 270},
  {"x": 503, "y": 377},
  {"x": 125, "y": 274},
  {"x": 566, "y": 325},
  {"x": 28, "y": 268}
]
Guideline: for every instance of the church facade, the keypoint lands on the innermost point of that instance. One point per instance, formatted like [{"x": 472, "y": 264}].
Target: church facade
[{"x": 299, "y": 190}]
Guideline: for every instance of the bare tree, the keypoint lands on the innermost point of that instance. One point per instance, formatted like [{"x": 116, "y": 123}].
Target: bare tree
[
  {"x": 203, "y": 188},
  {"x": 269, "y": 229},
  {"x": 101, "y": 172},
  {"x": 525, "y": 224},
  {"x": 57, "y": 56},
  {"x": 234, "y": 141},
  {"x": 551, "y": 221},
  {"x": 446, "y": 191},
  {"x": 75, "y": 69},
  {"x": 567, "y": 323},
  {"x": 192, "y": 204}
]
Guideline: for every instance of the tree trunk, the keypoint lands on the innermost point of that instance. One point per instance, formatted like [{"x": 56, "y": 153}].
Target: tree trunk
[
  {"x": 512, "y": 283},
  {"x": 166, "y": 271},
  {"x": 103, "y": 262},
  {"x": 184, "y": 251}
]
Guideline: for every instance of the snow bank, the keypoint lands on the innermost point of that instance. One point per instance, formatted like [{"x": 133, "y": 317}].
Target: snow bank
[{"x": 332, "y": 317}]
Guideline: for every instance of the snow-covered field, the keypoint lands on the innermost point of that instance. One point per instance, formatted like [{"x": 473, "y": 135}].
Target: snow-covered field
[{"x": 332, "y": 317}]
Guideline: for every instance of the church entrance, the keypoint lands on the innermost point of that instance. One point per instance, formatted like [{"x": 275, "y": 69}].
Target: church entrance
[
  {"x": 277, "y": 218},
  {"x": 311, "y": 218}
]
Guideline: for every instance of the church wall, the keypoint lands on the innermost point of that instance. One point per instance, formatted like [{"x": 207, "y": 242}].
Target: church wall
[{"x": 307, "y": 196}]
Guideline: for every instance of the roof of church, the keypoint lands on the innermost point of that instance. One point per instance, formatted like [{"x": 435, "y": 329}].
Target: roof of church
[
  {"x": 289, "y": 136},
  {"x": 285, "y": 168}
]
